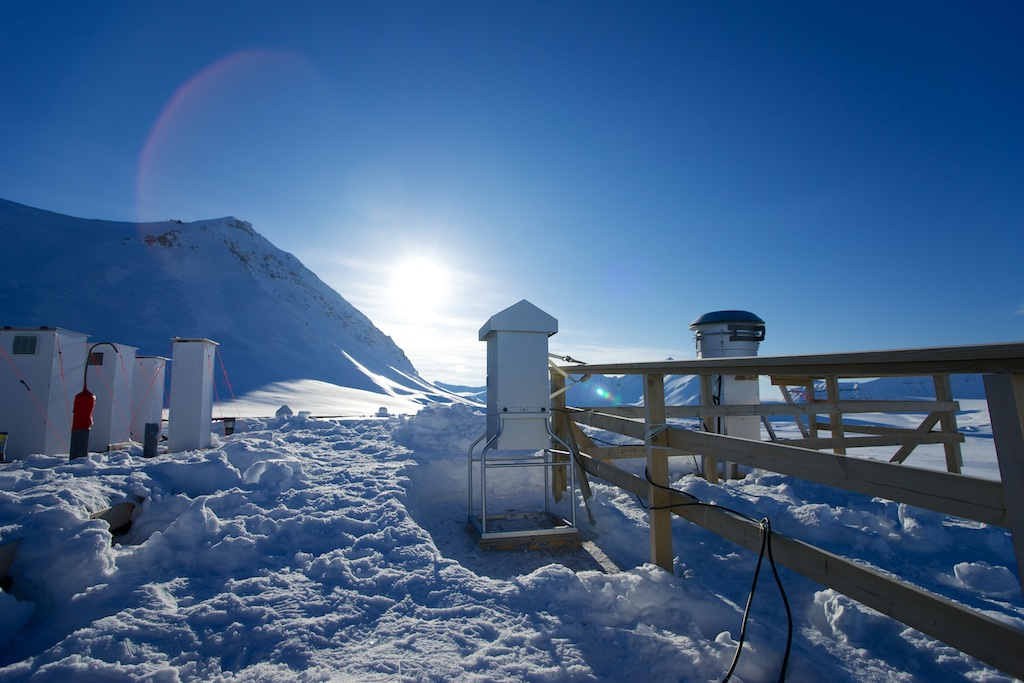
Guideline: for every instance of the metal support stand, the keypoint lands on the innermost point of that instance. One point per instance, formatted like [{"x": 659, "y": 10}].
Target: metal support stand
[{"x": 522, "y": 526}]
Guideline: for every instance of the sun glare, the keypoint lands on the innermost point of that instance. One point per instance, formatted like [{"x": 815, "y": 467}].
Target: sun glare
[{"x": 419, "y": 286}]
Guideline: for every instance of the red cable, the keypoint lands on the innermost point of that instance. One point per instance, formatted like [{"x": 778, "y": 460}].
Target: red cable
[
  {"x": 149, "y": 387},
  {"x": 234, "y": 401},
  {"x": 129, "y": 416}
]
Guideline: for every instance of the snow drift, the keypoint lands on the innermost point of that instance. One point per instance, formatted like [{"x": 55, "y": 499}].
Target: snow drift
[{"x": 323, "y": 550}]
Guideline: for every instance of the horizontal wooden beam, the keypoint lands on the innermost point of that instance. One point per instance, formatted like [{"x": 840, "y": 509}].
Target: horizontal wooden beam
[
  {"x": 970, "y": 631},
  {"x": 908, "y": 440},
  {"x": 981, "y": 500},
  {"x": 787, "y": 381},
  {"x": 613, "y": 423},
  {"x": 972, "y": 359},
  {"x": 857, "y": 428},
  {"x": 619, "y": 452},
  {"x": 769, "y": 409}
]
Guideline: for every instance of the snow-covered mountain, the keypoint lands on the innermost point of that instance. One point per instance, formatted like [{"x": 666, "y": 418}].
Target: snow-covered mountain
[
  {"x": 624, "y": 390},
  {"x": 684, "y": 390},
  {"x": 142, "y": 284}
]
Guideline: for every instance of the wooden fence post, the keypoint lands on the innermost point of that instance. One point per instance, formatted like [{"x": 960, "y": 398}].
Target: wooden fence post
[
  {"x": 812, "y": 418},
  {"x": 1005, "y": 394},
  {"x": 835, "y": 419},
  {"x": 710, "y": 463},
  {"x": 559, "y": 476},
  {"x": 944, "y": 392},
  {"x": 659, "y": 514}
]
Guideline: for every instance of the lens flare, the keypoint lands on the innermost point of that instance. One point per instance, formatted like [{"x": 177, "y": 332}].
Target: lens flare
[
  {"x": 228, "y": 95},
  {"x": 606, "y": 396}
]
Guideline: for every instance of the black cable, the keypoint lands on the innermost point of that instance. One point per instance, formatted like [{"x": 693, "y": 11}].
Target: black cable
[
  {"x": 766, "y": 546},
  {"x": 789, "y": 613},
  {"x": 604, "y": 441},
  {"x": 697, "y": 467},
  {"x": 716, "y": 399},
  {"x": 746, "y": 610},
  {"x": 89, "y": 359},
  {"x": 694, "y": 500}
]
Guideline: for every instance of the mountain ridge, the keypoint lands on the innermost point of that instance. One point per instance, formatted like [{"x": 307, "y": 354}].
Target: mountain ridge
[{"x": 142, "y": 284}]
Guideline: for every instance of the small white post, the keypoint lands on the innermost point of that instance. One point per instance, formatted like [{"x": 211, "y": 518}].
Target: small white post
[
  {"x": 109, "y": 378},
  {"x": 147, "y": 394},
  {"x": 191, "y": 401}
]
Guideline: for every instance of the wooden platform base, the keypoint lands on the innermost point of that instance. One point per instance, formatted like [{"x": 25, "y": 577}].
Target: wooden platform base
[{"x": 549, "y": 542}]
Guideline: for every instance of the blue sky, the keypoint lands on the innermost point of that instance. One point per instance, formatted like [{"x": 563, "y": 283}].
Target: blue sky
[{"x": 851, "y": 172}]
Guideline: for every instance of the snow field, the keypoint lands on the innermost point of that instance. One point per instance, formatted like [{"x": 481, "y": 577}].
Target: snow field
[{"x": 317, "y": 550}]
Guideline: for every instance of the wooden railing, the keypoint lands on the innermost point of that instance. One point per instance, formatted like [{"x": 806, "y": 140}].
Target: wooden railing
[{"x": 995, "y": 502}]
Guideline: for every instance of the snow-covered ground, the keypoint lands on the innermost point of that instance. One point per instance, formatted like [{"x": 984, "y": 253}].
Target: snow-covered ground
[
  {"x": 322, "y": 399},
  {"x": 304, "y": 549}
]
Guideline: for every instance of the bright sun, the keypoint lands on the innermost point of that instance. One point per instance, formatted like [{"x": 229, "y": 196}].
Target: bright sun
[{"x": 419, "y": 286}]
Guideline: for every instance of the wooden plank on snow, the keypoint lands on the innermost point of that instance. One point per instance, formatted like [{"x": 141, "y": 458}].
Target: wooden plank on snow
[
  {"x": 6, "y": 558},
  {"x": 117, "y": 516}
]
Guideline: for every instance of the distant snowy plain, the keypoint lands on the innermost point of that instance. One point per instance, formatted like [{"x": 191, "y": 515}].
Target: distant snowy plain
[{"x": 336, "y": 549}]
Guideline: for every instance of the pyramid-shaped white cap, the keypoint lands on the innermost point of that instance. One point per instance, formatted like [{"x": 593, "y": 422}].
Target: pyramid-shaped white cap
[{"x": 520, "y": 317}]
